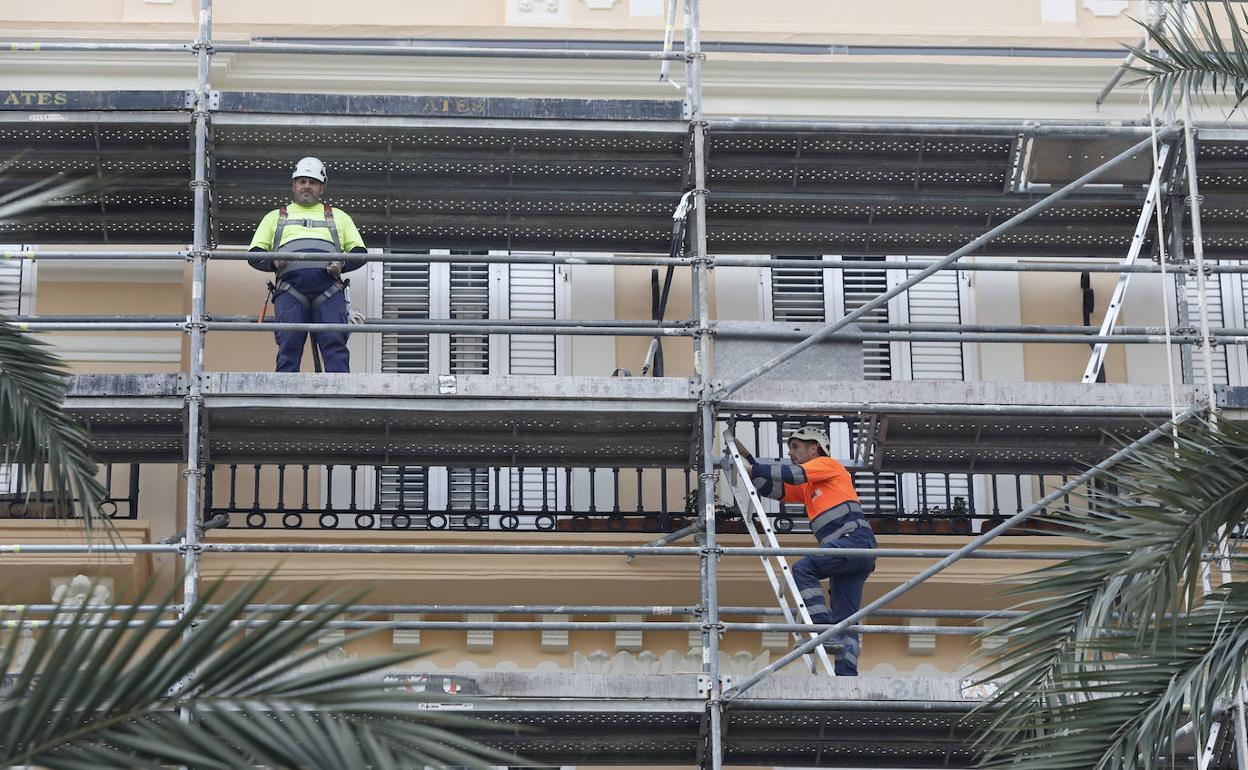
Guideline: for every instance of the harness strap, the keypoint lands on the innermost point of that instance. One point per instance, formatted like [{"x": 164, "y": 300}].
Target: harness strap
[
  {"x": 302, "y": 299},
  {"x": 843, "y": 530},
  {"x": 328, "y": 222}
]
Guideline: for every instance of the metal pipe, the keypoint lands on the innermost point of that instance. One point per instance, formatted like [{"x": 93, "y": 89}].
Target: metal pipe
[
  {"x": 1031, "y": 211},
  {"x": 962, "y": 552},
  {"x": 960, "y": 267},
  {"x": 881, "y": 407},
  {"x": 703, "y": 372},
  {"x": 671, "y": 537},
  {"x": 423, "y": 326},
  {"x": 1130, "y": 57},
  {"x": 445, "y": 51},
  {"x": 649, "y": 610},
  {"x": 490, "y": 259},
  {"x": 834, "y": 706},
  {"x": 44, "y": 256},
  {"x": 194, "y": 471},
  {"x": 1198, "y": 249},
  {"x": 1003, "y": 129},
  {"x": 669, "y": 32},
  {"x": 57, "y": 46},
  {"x": 510, "y": 550}
]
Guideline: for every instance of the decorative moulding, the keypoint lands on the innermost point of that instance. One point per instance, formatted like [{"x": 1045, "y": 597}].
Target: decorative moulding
[
  {"x": 921, "y": 644},
  {"x": 555, "y": 640},
  {"x": 600, "y": 5},
  {"x": 629, "y": 641},
  {"x": 483, "y": 640},
  {"x": 406, "y": 638},
  {"x": 1106, "y": 7},
  {"x": 1058, "y": 11}
]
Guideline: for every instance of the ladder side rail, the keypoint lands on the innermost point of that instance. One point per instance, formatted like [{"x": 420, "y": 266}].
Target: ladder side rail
[{"x": 780, "y": 561}]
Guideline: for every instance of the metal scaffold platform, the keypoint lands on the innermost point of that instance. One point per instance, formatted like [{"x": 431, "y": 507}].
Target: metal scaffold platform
[
  {"x": 790, "y": 721},
  {"x": 591, "y": 175},
  {"x": 597, "y": 181},
  {"x": 602, "y": 421}
]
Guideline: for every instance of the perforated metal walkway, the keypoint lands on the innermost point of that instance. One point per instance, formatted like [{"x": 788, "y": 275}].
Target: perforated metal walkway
[
  {"x": 657, "y": 719},
  {"x": 562, "y": 174},
  {"x": 601, "y": 421}
]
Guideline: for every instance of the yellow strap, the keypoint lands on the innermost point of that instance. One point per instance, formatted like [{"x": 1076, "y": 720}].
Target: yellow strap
[
  {"x": 17, "y": 549},
  {"x": 19, "y": 255}
]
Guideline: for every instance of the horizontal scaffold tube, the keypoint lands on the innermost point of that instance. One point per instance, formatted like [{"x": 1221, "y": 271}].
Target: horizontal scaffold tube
[
  {"x": 742, "y": 406},
  {"x": 438, "y": 50},
  {"x": 1059, "y": 265},
  {"x": 58, "y": 46},
  {"x": 527, "y": 625},
  {"x": 929, "y": 128},
  {"x": 648, "y": 610},
  {"x": 570, "y": 327},
  {"x": 601, "y": 550},
  {"x": 502, "y": 259},
  {"x": 968, "y": 267}
]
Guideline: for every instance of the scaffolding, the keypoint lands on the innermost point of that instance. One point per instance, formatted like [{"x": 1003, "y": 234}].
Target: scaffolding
[{"x": 708, "y": 719}]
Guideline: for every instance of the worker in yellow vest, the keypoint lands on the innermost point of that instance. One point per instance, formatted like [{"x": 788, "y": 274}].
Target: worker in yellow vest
[{"x": 309, "y": 291}]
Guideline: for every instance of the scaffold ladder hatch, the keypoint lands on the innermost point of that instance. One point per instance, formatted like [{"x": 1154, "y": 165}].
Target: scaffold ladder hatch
[{"x": 779, "y": 574}]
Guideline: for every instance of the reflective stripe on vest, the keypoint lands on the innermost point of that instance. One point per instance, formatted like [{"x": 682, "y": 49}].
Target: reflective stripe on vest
[{"x": 328, "y": 222}]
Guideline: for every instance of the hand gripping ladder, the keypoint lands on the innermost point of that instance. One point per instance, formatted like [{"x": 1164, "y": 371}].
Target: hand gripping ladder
[{"x": 779, "y": 574}]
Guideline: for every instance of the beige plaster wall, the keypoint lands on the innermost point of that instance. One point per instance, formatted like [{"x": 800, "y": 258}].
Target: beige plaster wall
[
  {"x": 1055, "y": 298},
  {"x": 917, "y": 21}
]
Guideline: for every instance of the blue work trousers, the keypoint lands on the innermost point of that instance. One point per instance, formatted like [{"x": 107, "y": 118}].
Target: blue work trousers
[
  {"x": 846, "y": 576},
  {"x": 288, "y": 309}
]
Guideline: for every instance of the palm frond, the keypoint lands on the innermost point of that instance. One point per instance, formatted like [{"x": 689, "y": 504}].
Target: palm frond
[
  {"x": 1074, "y": 672},
  {"x": 50, "y": 450},
  {"x": 118, "y": 694},
  {"x": 1198, "y": 59}
]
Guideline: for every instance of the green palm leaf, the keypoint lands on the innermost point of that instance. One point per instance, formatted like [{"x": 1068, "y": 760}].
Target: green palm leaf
[
  {"x": 1118, "y": 647},
  {"x": 50, "y": 450},
  {"x": 1197, "y": 59},
  {"x": 117, "y": 694}
]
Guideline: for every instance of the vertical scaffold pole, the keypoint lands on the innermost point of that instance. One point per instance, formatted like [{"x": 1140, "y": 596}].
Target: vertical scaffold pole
[
  {"x": 711, "y": 626},
  {"x": 195, "y": 324}
]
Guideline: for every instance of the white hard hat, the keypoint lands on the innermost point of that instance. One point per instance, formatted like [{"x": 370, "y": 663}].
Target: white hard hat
[
  {"x": 312, "y": 168},
  {"x": 815, "y": 435}
]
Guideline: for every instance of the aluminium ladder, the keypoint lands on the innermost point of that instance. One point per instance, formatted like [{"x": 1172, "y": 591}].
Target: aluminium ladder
[{"x": 779, "y": 574}]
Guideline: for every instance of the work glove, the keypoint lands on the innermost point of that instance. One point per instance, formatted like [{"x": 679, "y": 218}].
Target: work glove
[{"x": 335, "y": 271}]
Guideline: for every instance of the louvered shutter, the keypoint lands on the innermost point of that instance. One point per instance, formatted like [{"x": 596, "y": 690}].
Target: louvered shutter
[
  {"x": 1217, "y": 317},
  {"x": 469, "y": 300},
  {"x": 405, "y": 295},
  {"x": 531, "y": 294},
  {"x": 10, "y": 287},
  {"x": 858, "y": 287},
  {"x": 937, "y": 300},
  {"x": 800, "y": 294},
  {"x": 11, "y": 274}
]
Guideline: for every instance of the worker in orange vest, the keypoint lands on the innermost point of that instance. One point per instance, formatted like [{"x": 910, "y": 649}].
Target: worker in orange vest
[{"x": 811, "y": 477}]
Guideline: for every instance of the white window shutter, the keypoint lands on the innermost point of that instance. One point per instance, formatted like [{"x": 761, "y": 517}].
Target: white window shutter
[
  {"x": 533, "y": 293},
  {"x": 805, "y": 294},
  {"x": 1217, "y": 317},
  {"x": 406, "y": 294},
  {"x": 15, "y": 286},
  {"x": 936, "y": 299}
]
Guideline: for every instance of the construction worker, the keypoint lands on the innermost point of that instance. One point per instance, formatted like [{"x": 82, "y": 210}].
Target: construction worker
[
  {"x": 825, "y": 487},
  {"x": 309, "y": 291}
]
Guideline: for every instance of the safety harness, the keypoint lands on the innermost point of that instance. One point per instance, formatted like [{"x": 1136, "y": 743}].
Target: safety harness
[
  {"x": 282, "y": 286},
  {"x": 328, "y": 222}
]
